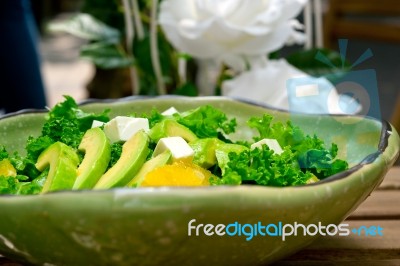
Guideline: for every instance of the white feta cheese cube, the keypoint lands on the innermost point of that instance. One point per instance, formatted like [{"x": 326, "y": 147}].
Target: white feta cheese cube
[
  {"x": 271, "y": 143},
  {"x": 122, "y": 128},
  {"x": 97, "y": 123},
  {"x": 180, "y": 150},
  {"x": 170, "y": 111}
]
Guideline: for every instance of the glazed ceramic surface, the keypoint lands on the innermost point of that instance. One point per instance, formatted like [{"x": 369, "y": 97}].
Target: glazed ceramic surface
[{"x": 149, "y": 226}]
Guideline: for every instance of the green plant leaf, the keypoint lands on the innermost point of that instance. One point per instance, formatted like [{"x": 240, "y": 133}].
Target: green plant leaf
[
  {"x": 306, "y": 61},
  {"x": 109, "y": 12},
  {"x": 142, "y": 53},
  {"x": 87, "y": 27},
  {"x": 187, "y": 89},
  {"x": 106, "y": 55}
]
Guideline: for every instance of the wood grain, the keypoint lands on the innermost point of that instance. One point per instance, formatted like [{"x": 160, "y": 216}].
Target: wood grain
[
  {"x": 392, "y": 180},
  {"x": 381, "y": 204},
  {"x": 381, "y": 208},
  {"x": 352, "y": 249}
]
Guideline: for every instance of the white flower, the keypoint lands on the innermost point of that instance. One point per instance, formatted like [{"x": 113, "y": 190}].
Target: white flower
[
  {"x": 229, "y": 30},
  {"x": 283, "y": 86}
]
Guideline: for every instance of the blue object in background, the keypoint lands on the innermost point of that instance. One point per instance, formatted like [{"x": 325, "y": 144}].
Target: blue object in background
[{"x": 21, "y": 84}]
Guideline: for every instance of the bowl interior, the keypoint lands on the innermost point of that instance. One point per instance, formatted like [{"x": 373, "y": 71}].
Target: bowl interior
[{"x": 356, "y": 137}]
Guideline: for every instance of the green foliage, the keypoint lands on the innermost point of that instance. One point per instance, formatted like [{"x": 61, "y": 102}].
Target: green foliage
[
  {"x": 12, "y": 185},
  {"x": 3, "y": 153},
  {"x": 110, "y": 12},
  {"x": 305, "y": 158},
  {"x": 35, "y": 146},
  {"x": 142, "y": 53},
  {"x": 105, "y": 49},
  {"x": 321, "y": 162},
  {"x": 310, "y": 151},
  {"x": 320, "y": 63},
  {"x": 8, "y": 185},
  {"x": 187, "y": 89},
  {"x": 206, "y": 121},
  {"x": 25, "y": 167},
  {"x": 102, "y": 24},
  {"x": 167, "y": 57},
  {"x": 69, "y": 109},
  {"x": 262, "y": 166},
  {"x": 89, "y": 28},
  {"x": 65, "y": 123},
  {"x": 64, "y": 130},
  {"x": 116, "y": 150},
  {"x": 106, "y": 55},
  {"x": 154, "y": 117},
  {"x": 285, "y": 134},
  {"x": 29, "y": 188}
]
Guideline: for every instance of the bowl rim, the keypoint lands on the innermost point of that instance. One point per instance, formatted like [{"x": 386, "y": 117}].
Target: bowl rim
[{"x": 386, "y": 131}]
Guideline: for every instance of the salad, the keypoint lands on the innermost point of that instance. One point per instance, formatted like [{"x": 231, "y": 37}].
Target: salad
[{"x": 81, "y": 150}]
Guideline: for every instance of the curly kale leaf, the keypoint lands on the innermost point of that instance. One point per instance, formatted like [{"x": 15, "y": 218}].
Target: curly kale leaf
[
  {"x": 8, "y": 185},
  {"x": 207, "y": 122},
  {"x": 20, "y": 186},
  {"x": 64, "y": 130},
  {"x": 69, "y": 110},
  {"x": 33, "y": 187},
  {"x": 262, "y": 166},
  {"x": 321, "y": 162},
  {"x": 116, "y": 150},
  {"x": 24, "y": 166},
  {"x": 3, "y": 153},
  {"x": 285, "y": 134},
  {"x": 66, "y": 123},
  {"x": 154, "y": 117},
  {"x": 35, "y": 146},
  {"x": 310, "y": 151}
]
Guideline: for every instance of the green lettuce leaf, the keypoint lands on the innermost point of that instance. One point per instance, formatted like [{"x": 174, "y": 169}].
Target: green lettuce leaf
[
  {"x": 207, "y": 122},
  {"x": 3, "y": 153},
  {"x": 262, "y": 166},
  {"x": 310, "y": 151}
]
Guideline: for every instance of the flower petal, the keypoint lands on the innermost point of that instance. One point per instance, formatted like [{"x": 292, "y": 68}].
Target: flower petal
[
  {"x": 187, "y": 9},
  {"x": 265, "y": 43},
  {"x": 200, "y": 48},
  {"x": 229, "y": 28}
]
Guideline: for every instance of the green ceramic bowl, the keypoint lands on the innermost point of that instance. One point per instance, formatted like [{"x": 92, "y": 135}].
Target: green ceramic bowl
[{"x": 149, "y": 226}]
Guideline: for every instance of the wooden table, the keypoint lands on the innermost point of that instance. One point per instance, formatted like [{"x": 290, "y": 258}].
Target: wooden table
[{"x": 381, "y": 208}]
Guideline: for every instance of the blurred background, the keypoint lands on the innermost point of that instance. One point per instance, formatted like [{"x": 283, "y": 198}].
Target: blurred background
[{"x": 367, "y": 24}]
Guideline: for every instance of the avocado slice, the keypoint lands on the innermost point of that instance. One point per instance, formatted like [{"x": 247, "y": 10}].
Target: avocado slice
[
  {"x": 171, "y": 128},
  {"x": 204, "y": 151},
  {"x": 222, "y": 153},
  {"x": 97, "y": 149},
  {"x": 63, "y": 162},
  {"x": 133, "y": 156},
  {"x": 153, "y": 163}
]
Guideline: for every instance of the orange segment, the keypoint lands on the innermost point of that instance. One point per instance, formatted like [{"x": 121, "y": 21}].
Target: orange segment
[
  {"x": 177, "y": 174},
  {"x": 7, "y": 169}
]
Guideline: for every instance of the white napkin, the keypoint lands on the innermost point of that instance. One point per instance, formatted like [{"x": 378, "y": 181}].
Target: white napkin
[{"x": 283, "y": 86}]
